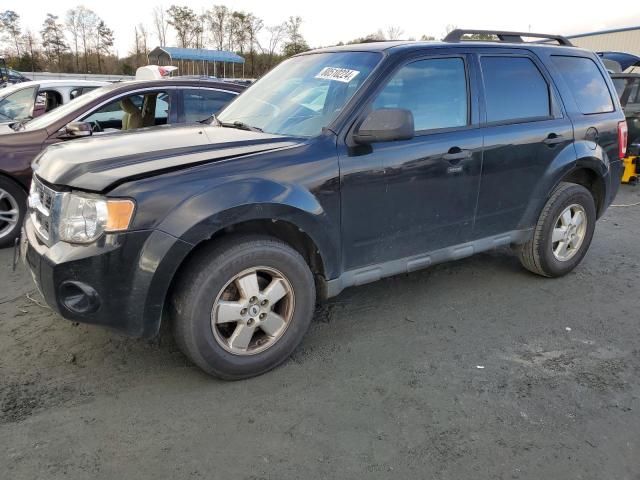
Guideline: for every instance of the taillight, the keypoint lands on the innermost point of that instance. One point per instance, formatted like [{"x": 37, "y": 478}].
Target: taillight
[{"x": 623, "y": 133}]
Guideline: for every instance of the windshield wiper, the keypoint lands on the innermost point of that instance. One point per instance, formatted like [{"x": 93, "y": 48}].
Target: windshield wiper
[
  {"x": 240, "y": 125},
  {"x": 213, "y": 120}
]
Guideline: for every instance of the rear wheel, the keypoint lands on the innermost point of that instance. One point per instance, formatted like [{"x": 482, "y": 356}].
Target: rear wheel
[
  {"x": 563, "y": 232},
  {"x": 242, "y": 307},
  {"x": 13, "y": 204}
]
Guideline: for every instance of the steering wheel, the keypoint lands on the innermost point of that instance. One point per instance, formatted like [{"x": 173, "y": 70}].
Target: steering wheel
[{"x": 97, "y": 127}]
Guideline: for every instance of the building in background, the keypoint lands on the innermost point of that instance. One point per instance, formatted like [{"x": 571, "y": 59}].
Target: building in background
[{"x": 616, "y": 40}]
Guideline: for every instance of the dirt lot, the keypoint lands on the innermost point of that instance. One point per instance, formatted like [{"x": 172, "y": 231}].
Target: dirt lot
[{"x": 475, "y": 369}]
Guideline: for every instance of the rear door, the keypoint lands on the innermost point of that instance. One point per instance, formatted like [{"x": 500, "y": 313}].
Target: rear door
[{"x": 524, "y": 130}]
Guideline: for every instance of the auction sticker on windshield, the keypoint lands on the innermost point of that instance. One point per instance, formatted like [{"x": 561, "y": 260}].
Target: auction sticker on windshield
[{"x": 339, "y": 74}]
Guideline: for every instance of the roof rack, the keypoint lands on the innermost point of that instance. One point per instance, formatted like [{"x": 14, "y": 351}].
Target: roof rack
[{"x": 512, "y": 37}]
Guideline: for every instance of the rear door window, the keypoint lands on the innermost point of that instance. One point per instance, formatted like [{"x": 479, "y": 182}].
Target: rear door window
[
  {"x": 585, "y": 80},
  {"x": 514, "y": 89}
]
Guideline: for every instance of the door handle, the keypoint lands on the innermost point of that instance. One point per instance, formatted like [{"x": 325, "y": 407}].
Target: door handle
[
  {"x": 455, "y": 154},
  {"x": 553, "y": 139}
]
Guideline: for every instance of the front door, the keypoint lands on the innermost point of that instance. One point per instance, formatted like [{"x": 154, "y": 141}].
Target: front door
[{"x": 417, "y": 195}]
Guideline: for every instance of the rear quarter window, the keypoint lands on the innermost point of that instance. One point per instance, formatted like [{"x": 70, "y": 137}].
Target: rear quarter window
[{"x": 585, "y": 80}]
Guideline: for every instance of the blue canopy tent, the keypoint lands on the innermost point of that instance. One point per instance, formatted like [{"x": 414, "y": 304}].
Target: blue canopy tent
[{"x": 199, "y": 59}]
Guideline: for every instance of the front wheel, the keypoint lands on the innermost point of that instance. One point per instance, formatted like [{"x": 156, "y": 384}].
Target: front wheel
[
  {"x": 563, "y": 232},
  {"x": 242, "y": 307}
]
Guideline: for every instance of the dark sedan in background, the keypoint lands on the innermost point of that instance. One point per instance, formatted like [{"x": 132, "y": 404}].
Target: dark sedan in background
[{"x": 121, "y": 106}]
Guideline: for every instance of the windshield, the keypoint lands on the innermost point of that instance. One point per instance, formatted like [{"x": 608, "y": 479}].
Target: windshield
[
  {"x": 302, "y": 95},
  {"x": 17, "y": 105},
  {"x": 54, "y": 115}
]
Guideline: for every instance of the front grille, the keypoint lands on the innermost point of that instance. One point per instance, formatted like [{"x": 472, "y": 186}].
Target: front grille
[{"x": 44, "y": 204}]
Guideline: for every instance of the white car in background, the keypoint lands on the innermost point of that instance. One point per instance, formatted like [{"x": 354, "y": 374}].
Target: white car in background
[{"x": 27, "y": 100}]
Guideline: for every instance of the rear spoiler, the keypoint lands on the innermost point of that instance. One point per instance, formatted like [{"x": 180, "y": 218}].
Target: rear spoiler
[{"x": 624, "y": 60}]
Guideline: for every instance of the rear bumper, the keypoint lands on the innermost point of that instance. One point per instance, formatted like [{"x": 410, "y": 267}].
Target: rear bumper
[{"x": 120, "y": 282}]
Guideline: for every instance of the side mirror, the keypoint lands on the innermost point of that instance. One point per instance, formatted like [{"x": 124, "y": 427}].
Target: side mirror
[
  {"x": 386, "y": 125},
  {"x": 634, "y": 150},
  {"x": 77, "y": 130}
]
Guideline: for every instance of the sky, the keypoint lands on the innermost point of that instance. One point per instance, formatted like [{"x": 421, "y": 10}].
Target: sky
[{"x": 327, "y": 22}]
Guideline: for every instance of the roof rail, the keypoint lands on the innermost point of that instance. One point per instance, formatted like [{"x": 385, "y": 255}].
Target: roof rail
[{"x": 512, "y": 37}]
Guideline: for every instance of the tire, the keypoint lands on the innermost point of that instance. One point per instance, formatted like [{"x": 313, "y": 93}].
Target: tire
[
  {"x": 543, "y": 256},
  {"x": 207, "y": 281},
  {"x": 13, "y": 208}
]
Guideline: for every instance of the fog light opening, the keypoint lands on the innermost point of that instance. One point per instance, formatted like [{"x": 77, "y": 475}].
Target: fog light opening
[{"x": 78, "y": 297}]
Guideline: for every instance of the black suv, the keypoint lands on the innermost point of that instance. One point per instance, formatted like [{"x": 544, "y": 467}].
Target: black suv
[{"x": 341, "y": 166}]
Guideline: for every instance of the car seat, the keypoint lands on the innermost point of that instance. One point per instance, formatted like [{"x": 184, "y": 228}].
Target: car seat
[
  {"x": 132, "y": 117},
  {"x": 51, "y": 101}
]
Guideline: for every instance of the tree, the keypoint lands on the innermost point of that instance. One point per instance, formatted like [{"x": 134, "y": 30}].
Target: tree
[
  {"x": 183, "y": 19},
  {"x": 144, "y": 39},
  {"x": 199, "y": 31},
  {"x": 394, "y": 32},
  {"x": 104, "y": 42},
  {"x": 218, "y": 18},
  {"x": 10, "y": 23},
  {"x": 276, "y": 34},
  {"x": 87, "y": 24},
  {"x": 29, "y": 42},
  {"x": 241, "y": 34},
  {"x": 232, "y": 26},
  {"x": 372, "y": 37},
  {"x": 253, "y": 26},
  {"x": 161, "y": 25},
  {"x": 72, "y": 22},
  {"x": 296, "y": 43},
  {"x": 53, "y": 38},
  {"x": 427, "y": 38}
]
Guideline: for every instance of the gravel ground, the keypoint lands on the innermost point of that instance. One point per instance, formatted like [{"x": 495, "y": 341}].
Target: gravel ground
[{"x": 473, "y": 369}]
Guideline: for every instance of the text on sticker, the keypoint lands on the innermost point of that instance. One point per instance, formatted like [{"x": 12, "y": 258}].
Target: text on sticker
[{"x": 339, "y": 74}]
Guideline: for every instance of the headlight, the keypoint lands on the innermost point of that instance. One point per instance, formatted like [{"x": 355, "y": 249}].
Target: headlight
[{"x": 84, "y": 218}]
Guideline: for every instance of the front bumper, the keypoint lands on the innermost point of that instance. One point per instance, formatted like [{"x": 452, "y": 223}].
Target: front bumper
[{"x": 120, "y": 281}]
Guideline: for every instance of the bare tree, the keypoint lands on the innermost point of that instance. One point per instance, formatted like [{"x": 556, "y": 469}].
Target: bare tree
[
  {"x": 394, "y": 32},
  {"x": 87, "y": 24},
  {"x": 253, "y": 26},
  {"x": 161, "y": 25},
  {"x": 232, "y": 27},
  {"x": 199, "y": 31},
  {"x": 218, "y": 17},
  {"x": 29, "y": 41},
  {"x": 73, "y": 25},
  {"x": 144, "y": 39},
  {"x": 276, "y": 35}
]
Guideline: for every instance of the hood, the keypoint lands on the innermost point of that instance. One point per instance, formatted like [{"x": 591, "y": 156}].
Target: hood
[{"x": 99, "y": 162}]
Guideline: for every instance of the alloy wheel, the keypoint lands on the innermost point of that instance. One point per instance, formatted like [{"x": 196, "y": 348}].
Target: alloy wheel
[
  {"x": 569, "y": 232},
  {"x": 9, "y": 213},
  {"x": 252, "y": 311}
]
